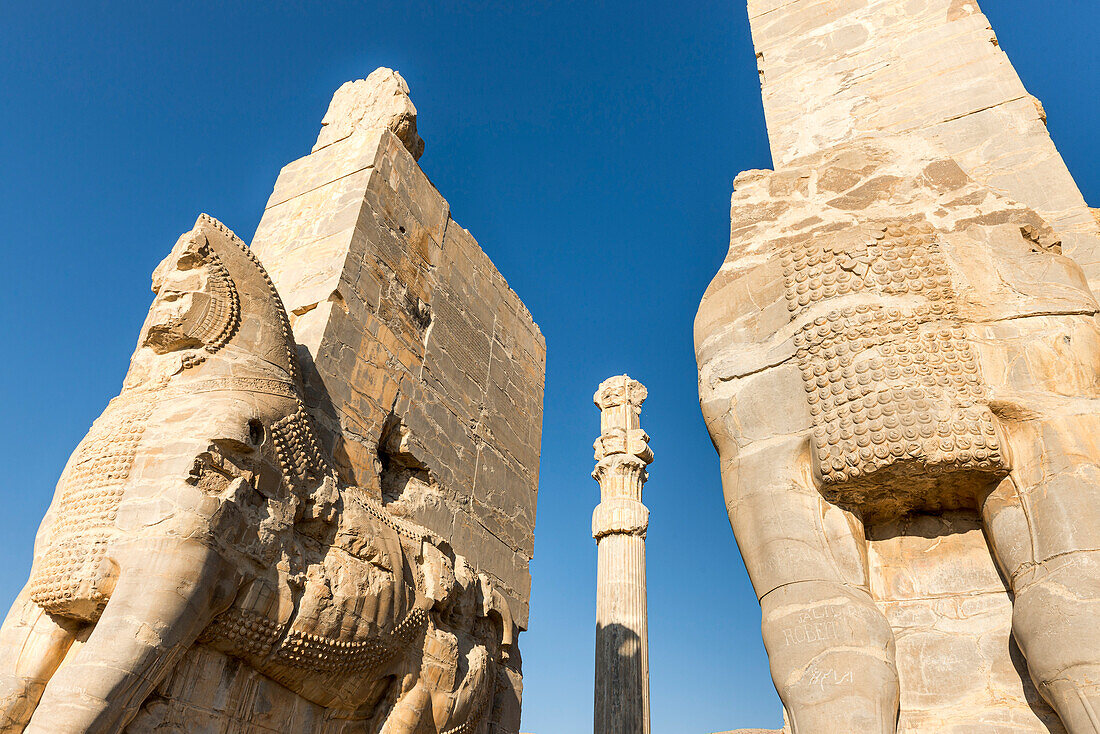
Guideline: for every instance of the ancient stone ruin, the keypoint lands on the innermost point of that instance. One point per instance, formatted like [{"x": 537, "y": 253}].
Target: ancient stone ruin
[
  {"x": 311, "y": 507},
  {"x": 619, "y": 525},
  {"x": 899, "y": 363}
]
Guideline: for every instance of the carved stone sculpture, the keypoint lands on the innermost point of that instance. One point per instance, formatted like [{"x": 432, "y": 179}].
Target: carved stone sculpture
[
  {"x": 619, "y": 525},
  {"x": 200, "y": 511},
  {"x": 889, "y": 340}
]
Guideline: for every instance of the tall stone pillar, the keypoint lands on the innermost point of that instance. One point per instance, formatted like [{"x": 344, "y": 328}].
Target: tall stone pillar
[{"x": 619, "y": 526}]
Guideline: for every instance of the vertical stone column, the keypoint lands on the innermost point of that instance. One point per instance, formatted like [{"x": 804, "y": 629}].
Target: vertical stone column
[{"x": 619, "y": 526}]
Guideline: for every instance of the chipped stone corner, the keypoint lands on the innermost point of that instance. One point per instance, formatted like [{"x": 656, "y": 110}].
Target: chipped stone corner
[{"x": 381, "y": 101}]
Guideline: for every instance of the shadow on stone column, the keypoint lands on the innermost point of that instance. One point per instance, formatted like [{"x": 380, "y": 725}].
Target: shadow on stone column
[{"x": 619, "y": 691}]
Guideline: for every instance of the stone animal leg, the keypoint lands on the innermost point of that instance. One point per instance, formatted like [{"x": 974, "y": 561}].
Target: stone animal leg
[
  {"x": 1043, "y": 523},
  {"x": 830, "y": 648},
  {"x": 32, "y": 646},
  {"x": 167, "y": 593},
  {"x": 410, "y": 712},
  {"x": 461, "y": 709}
]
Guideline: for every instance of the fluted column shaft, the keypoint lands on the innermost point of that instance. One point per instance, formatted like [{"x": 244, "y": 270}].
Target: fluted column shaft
[
  {"x": 622, "y": 652},
  {"x": 619, "y": 525}
]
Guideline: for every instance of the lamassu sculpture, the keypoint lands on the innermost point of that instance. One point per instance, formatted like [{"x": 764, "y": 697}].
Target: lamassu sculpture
[
  {"x": 888, "y": 336},
  {"x": 201, "y": 509}
]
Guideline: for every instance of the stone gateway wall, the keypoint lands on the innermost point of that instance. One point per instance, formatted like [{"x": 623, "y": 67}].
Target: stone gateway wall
[
  {"x": 427, "y": 370},
  {"x": 311, "y": 507}
]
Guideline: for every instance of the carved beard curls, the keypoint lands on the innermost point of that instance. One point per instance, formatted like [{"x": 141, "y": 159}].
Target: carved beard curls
[{"x": 209, "y": 323}]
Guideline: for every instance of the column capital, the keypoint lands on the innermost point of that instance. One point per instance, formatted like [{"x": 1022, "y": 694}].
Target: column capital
[
  {"x": 622, "y": 451},
  {"x": 624, "y": 469},
  {"x": 619, "y": 390}
]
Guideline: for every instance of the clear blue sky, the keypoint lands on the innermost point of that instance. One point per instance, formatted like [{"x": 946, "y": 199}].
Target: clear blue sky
[{"x": 589, "y": 146}]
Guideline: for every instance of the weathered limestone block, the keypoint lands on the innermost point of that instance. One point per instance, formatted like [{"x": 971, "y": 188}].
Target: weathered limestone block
[
  {"x": 426, "y": 370},
  {"x": 432, "y": 366},
  {"x": 960, "y": 671},
  {"x": 202, "y": 568},
  {"x": 381, "y": 101},
  {"x": 835, "y": 71},
  {"x": 893, "y": 358}
]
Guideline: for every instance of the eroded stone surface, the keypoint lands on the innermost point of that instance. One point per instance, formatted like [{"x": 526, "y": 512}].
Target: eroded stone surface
[
  {"x": 317, "y": 522},
  {"x": 898, "y": 334},
  {"x": 893, "y": 358},
  {"x": 379, "y": 102},
  {"x": 834, "y": 71},
  {"x": 427, "y": 369}
]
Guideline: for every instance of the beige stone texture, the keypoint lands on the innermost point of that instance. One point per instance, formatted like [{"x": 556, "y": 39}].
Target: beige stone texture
[
  {"x": 619, "y": 525},
  {"x": 960, "y": 670},
  {"x": 381, "y": 101},
  {"x": 317, "y": 522},
  {"x": 427, "y": 370},
  {"x": 834, "y": 70},
  {"x": 202, "y": 568},
  {"x": 900, "y": 369},
  {"x": 898, "y": 364}
]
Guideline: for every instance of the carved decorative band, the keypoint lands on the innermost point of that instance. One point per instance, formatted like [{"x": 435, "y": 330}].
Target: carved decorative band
[
  {"x": 888, "y": 387},
  {"x": 292, "y": 357},
  {"x": 222, "y": 317},
  {"x": 620, "y": 516},
  {"x": 248, "y": 634},
  {"x": 627, "y": 467},
  {"x": 259, "y": 385}
]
